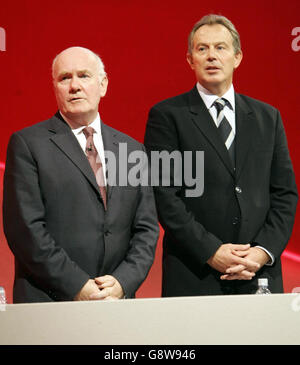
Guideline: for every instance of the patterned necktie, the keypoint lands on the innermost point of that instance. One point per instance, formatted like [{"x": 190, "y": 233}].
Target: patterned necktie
[
  {"x": 95, "y": 161},
  {"x": 224, "y": 128}
]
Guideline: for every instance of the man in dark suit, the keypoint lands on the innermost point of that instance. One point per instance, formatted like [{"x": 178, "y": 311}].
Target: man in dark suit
[
  {"x": 222, "y": 241},
  {"x": 73, "y": 235}
]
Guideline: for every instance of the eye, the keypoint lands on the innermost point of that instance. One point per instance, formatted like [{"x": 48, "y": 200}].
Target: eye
[{"x": 64, "y": 77}]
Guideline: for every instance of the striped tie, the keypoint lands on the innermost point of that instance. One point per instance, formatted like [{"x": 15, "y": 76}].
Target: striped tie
[
  {"x": 95, "y": 161},
  {"x": 224, "y": 127}
]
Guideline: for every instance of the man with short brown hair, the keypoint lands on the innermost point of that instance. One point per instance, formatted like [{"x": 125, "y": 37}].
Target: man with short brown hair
[{"x": 235, "y": 232}]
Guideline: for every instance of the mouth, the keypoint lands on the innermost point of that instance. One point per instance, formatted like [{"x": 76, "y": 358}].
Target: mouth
[
  {"x": 212, "y": 68},
  {"x": 75, "y": 99}
]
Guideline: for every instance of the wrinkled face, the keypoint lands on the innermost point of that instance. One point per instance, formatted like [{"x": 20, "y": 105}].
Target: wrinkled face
[
  {"x": 213, "y": 58},
  {"x": 78, "y": 85}
]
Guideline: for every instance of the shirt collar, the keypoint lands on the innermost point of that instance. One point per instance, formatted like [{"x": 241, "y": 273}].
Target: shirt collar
[
  {"x": 209, "y": 98},
  {"x": 96, "y": 124}
]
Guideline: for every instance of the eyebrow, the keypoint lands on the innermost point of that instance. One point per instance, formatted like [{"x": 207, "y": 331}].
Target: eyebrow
[
  {"x": 86, "y": 71},
  {"x": 215, "y": 43},
  {"x": 67, "y": 73}
]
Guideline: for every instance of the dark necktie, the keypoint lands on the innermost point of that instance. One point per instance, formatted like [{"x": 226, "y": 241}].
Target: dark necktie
[
  {"x": 224, "y": 128},
  {"x": 95, "y": 161}
]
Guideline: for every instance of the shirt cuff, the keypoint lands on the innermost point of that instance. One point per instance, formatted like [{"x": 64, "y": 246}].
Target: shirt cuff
[{"x": 272, "y": 258}]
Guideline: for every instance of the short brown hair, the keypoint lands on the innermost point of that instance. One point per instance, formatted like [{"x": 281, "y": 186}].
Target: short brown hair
[{"x": 212, "y": 19}]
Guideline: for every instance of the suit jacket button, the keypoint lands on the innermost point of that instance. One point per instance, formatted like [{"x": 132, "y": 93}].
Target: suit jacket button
[
  {"x": 235, "y": 220},
  {"x": 238, "y": 189}
]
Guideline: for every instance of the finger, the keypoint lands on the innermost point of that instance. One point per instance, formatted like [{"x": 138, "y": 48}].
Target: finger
[
  {"x": 107, "y": 284},
  {"x": 229, "y": 277},
  {"x": 252, "y": 265},
  {"x": 241, "y": 253},
  {"x": 226, "y": 277},
  {"x": 245, "y": 275},
  {"x": 96, "y": 296},
  {"x": 249, "y": 264},
  {"x": 105, "y": 279},
  {"x": 241, "y": 247},
  {"x": 235, "y": 269},
  {"x": 101, "y": 279},
  {"x": 102, "y": 294},
  {"x": 234, "y": 277}
]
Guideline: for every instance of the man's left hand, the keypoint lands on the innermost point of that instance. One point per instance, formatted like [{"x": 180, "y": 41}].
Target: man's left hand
[{"x": 109, "y": 288}]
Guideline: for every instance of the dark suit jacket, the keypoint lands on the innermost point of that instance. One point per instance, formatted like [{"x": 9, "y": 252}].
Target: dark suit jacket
[
  {"x": 55, "y": 222},
  {"x": 256, "y": 203}
]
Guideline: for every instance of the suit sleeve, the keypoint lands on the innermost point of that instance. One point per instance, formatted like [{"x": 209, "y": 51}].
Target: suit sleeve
[
  {"x": 277, "y": 228},
  {"x": 24, "y": 219},
  {"x": 133, "y": 270},
  {"x": 187, "y": 233}
]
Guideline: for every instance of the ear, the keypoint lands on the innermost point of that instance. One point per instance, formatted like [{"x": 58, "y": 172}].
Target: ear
[
  {"x": 238, "y": 59},
  {"x": 189, "y": 58},
  {"x": 103, "y": 85}
]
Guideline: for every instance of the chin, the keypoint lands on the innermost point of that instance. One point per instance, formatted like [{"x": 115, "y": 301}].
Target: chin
[
  {"x": 213, "y": 81},
  {"x": 75, "y": 111}
]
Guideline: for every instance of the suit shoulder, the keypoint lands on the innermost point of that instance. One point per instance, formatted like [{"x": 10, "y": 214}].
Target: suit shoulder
[
  {"x": 37, "y": 130},
  {"x": 32, "y": 129},
  {"x": 257, "y": 104},
  {"x": 173, "y": 102}
]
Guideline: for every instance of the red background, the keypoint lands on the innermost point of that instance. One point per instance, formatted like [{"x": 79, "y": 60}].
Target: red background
[{"x": 143, "y": 46}]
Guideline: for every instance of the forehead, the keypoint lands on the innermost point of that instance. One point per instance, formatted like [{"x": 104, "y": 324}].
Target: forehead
[
  {"x": 75, "y": 60},
  {"x": 212, "y": 34}
]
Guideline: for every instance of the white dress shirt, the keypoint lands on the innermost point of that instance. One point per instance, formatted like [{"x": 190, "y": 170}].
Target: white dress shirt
[
  {"x": 209, "y": 99},
  {"x": 98, "y": 142}
]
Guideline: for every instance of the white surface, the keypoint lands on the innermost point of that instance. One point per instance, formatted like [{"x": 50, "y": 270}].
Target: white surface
[{"x": 241, "y": 319}]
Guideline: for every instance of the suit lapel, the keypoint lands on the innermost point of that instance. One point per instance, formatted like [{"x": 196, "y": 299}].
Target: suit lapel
[
  {"x": 205, "y": 123},
  {"x": 65, "y": 140},
  {"x": 244, "y": 132}
]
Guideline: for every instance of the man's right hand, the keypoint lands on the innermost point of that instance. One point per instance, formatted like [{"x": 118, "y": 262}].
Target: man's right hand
[
  {"x": 87, "y": 290},
  {"x": 230, "y": 255}
]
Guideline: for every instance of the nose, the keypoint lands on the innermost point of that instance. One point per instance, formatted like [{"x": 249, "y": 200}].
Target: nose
[
  {"x": 211, "y": 55},
  {"x": 74, "y": 85}
]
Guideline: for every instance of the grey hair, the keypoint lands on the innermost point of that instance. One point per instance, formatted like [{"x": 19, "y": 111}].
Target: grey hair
[
  {"x": 97, "y": 57},
  {"x": 212, "y": 19}
]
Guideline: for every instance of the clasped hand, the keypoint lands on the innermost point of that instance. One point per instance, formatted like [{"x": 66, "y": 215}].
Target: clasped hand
[
  {"x": 238, "y": 261},
  {"x": 104, "y": 287}
]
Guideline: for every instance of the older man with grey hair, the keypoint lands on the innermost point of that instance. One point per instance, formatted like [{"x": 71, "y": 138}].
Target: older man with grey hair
[{"x": 75, "y": 237}]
